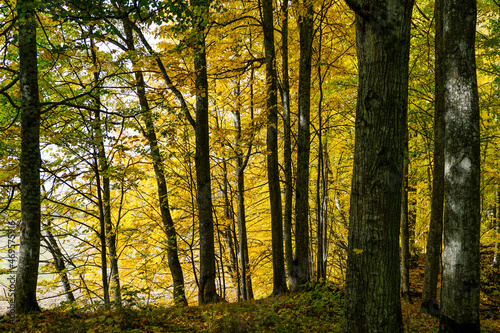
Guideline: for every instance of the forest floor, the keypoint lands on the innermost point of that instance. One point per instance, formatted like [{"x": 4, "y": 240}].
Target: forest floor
[{"x": 316, "y": 310}]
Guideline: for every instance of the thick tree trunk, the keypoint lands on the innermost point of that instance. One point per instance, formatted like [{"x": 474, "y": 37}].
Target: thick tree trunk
[
  {"x": 302, "y": 254},
  {"x": 279, "y": 276},
  {"x": 372, "y": 300},
  {"x": 462, "y": 217},
  {"x": 29, "y": 248},
  {"x": 149, "y": 133},
  {"x": 287, "y": 142},
  {"x": 435, "y": 237}
]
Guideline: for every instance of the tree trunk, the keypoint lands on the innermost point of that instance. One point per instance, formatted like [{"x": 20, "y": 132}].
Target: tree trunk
[
  {"x": 102, "y": 234},
  {"x": 207, "y": 291},
  {"x": 149, "y": 133},
  {"x": 496, "y": 255},
  {"x": 372, "y": 299},
  {"x": 462, "y": 214},
  {"x": 106, "y": 205},
  {"x": 279, "y": 276},
  {"x": 110, "y": 230},
  {"x": 303, "y": 270},
  {"x": 322, "y": 177},
  {"x": 100, "y": 168},
  {"x": 29, "y": 248},
  {"x": 241, "y": 163},
  {"x": 229, "y": 233},
  {"x": 246, "y": 280},
  {"x": 287, "y": 142},
  {"x": 59, "y": 264},
  {"x": 113, "y": 264},
  {"x": 405, "y": 230},
  {"x": 435, "y": 237}
]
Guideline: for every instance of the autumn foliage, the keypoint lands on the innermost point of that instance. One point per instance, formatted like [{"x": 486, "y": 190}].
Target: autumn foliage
[{"x": 99, "y": 184}]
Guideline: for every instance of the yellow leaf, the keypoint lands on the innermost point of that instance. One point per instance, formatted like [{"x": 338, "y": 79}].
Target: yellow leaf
[{"x": 358, "y": 251}]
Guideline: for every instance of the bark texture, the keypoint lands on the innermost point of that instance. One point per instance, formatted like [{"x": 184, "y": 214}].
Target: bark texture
[
  {"x": 372, "y": 300},
  {"x": 302, "y": 254},
  {"x": 435, "y": 238},
  {"x": 279, "y": 276},
  {"x": 462, "y": 218},
  {"x": 29, "y": 248}
]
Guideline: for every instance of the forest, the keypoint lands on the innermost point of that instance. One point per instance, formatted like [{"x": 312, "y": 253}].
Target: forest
[{"x": 169, "y": 153}]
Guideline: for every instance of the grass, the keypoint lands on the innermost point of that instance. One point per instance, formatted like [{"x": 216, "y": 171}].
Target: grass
[{"x": 319, "y": 309}]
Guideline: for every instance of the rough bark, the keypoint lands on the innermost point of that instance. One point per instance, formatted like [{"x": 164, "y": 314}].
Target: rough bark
[
  {"x": 149, "y": 133},
  {"x": 302, "y": 255},
  {"x": 29, "y": 248},
  {"x": 279, "y": 276},
  {"x": 435, "y": 237},
  {"x": 372, "y": 299},
  {"x": 462, "y": 217}
]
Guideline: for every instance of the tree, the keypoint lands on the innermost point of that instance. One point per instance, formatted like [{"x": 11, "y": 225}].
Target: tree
[
  {"x": 241, "y": 163},
  {"x": 149, "y": 133},
  {"x": 287, "y": 142},
  {"x": 306, "y": 25},
  {"x": 496, "y": 254},
  {"x": 100, "y": 167},
  {"x": 29, "y": 248},
  {"x": 372, "y": 299},
  {"x": 59, "y": 264},
  {"x": 279, "y": 276},
  {"x": 462, "y": 214},
  {"x": 405, "y": 229},
  {"x": 207, "y": 292},
  {"x": 435, "y": 238}
]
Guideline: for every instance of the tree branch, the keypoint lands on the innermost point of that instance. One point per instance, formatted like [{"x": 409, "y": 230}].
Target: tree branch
[{"x": 164, "y": 73}]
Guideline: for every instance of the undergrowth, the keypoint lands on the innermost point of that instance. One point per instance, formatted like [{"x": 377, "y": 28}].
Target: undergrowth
[{"x": 318, "y": 308}]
